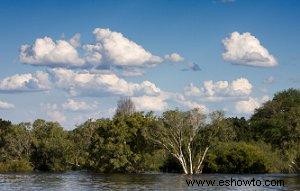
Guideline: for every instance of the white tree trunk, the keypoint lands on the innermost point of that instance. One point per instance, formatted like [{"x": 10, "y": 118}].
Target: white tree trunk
[
  {"x": 183, "y": 164},
  {"x": 190, "y": 158},
  {"x": 201, "y": 160}
]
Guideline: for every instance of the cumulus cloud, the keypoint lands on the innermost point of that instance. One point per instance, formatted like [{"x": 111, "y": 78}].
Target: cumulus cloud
[
  {"x": 129, "y": 72},
  {"x": 45, "y": 51},
  {"x": 38, "y": 81},
  {"x": 192, "y": 90},
  {"x": 75, "y": 40},
  {"x": 93, "y": 53},
  {"x": 174, "y": 57},
  {"x": 150, "y": 103},
  {"x": 122, "y": 51},
  {"x": 240, "y": 86},
  {"x": 87, "y": 83},
  {"x": 248, "y": 106},
  {"x": 6, "y": 105},
  {"x": 211, "y": 89},
  {"x": 160, "y": 102},
  {"x": 53, "y": 112},
  {"x": 246, "y": 49},
  {"x": 181, "y": 99},
  {"x": 110, "y": 47},
  {"x": 76, "y": 105}
]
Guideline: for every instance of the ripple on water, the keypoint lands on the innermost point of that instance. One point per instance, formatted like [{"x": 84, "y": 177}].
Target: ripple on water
[{"x": 73, "y": 181}]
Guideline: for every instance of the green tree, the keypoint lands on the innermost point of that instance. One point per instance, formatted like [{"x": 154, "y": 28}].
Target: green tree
[
  {"x": 15, "y": 147},
  {"x": 4, "y": 128},
  {"x": 241, "y": 128},
  {"x": 121, "y": 145},
  {"x": 51, "y": 148},
  {"x": 242, "y": 157},
  {"x": 17, "y": 142},
  {"x": 178, "y": 133},
  {"x": 81, "y": 138},
  {"x": 278, "y": 122}
]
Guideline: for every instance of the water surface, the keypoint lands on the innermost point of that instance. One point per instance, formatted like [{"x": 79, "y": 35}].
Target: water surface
[{"x": 73, "y": 181}]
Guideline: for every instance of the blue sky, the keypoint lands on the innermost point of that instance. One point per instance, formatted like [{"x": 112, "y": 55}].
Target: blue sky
[{"x": 82, "y": 56}]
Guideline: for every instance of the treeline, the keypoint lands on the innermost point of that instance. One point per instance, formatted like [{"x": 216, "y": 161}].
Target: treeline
[{"x": 177, "y": 141}]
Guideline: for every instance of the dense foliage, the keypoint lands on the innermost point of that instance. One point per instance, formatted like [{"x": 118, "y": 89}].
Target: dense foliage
[{"x": 176, "y": 141}]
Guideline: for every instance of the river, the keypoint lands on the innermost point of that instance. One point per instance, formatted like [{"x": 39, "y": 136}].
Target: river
[{"x": 73, "y": 181}]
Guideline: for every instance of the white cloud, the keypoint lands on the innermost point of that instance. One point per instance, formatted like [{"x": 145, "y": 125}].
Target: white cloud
[
  {"x": 220, "y": 89},
  {"x": 75, "y": 40},
  {"x": 245, "y": 49},
  {"x": 93, "y": 53},
  {"x": 45, "y": 51},
  {"x": 269, "y": 80},
  {"x": 240, "y": 86},
  {"x": 248, "y": 106},
  {"x": 129, "y": 72},
  {"x": 75, "y": 105},
  {"x": 87, "y": 83},
  {"x": 109, "y": 48},
  {"x": 6, "y": 105},
  {"x": 192, "y": 90},
  {"x": 150, "y": 103},
  {"x": 122, "y": 51},
  {"x": 159, "y": 102},
  {"x": 53, "y": 112},
  {"x": 174, "y": 57},
  {"x": 189, "y": 104},
  {"x": 148, "y": 88},
  {"x": 264, "y": 98},
  {"x": 38, "y": 81},
  {"x": 211, "y": 88}
]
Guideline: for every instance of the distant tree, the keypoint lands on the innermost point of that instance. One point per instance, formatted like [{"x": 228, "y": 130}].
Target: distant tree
[
  {"x": 15, "y": 147},
  {"x": 177, "y": 141},
  {"x": 219, "y": 126},
  {"x": 178, "y": 132},
  {"x": 81, "y": 138},
  {"x": 241, "y": 128},
  {"x": 125, "y": 106},
  {"x": 4, "y": 126},
  {"x": 51, "y": 147},
  {"x": 278, "y": 122},
  {"x": 17, "y": 143},
  {"x": 242, "y": 157},
  {"x": 121, "y": 145}
]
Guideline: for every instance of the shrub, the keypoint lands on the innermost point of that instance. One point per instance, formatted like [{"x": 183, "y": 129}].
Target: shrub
[
  {"x": 242, "y": 157},
  {"x": 15, "y": 166}
]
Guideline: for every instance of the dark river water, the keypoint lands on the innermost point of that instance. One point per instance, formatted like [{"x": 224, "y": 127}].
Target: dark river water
[{"x": 73, "y": 181}]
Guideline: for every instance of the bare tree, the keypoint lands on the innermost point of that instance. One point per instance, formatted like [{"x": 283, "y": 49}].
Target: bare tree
[
  {"x": 125, "y": 107},
  {"x": 180, "y": 134}
]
